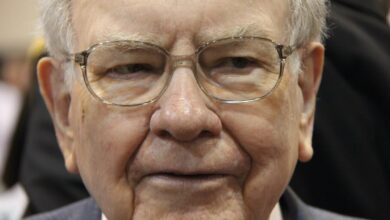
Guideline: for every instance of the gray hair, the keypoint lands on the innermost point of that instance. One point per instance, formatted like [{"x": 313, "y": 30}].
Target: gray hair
[{"x": 305, "y": 24}]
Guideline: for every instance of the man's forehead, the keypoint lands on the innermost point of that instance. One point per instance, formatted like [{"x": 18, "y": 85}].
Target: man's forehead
[{"x": 206, "y": 20}]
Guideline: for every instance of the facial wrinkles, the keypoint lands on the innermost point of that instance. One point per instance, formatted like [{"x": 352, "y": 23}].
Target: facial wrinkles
[
  {"x": 78, "y": 107},
  {"x": 255, "y": 22},
  {"x": 176, "y": 30},
  {"x": 204, "y": 154},
  {"x": 106, "y": 143},
  {"x": 193, "y": 25},
  {"x": 272, "y": 143},
  {"x": 97, "y": 140}
]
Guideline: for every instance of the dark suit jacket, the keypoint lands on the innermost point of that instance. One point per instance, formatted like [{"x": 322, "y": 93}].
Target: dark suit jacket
[{"x": 292, "y": 208}]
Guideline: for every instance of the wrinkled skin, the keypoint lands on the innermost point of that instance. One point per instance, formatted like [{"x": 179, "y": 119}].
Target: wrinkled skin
[{"x": 124, "y": 154}]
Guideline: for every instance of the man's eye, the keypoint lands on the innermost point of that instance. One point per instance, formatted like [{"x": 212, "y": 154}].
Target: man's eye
[
  {"x": 131, "y": 69},
  {"x": 239, "y": 62},
  {"x": 235, "y": 64}
]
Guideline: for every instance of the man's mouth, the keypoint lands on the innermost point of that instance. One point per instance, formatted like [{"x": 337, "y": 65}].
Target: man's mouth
[
  {"x": 174, "y": 180},
  {"x": 189, "y": 177}
]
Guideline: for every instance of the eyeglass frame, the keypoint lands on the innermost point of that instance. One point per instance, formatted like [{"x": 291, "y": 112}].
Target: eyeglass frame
[{"x": 283, "y": 51}]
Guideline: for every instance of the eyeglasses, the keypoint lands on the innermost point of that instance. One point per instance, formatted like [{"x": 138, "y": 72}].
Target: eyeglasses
[{"x": 229, "y": 70}]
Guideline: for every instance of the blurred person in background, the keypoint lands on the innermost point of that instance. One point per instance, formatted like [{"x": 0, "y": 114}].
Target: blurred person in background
[
  {"x": 16, "y": 71},
  {"x": 11, "y": 104},
  {"x": 17, "y": 24},
  {"x": 350, "y": 172},
  {"x": 17, "y": 27}
]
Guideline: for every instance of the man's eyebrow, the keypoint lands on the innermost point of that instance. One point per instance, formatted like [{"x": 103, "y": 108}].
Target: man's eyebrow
[
  {"x": 242, "y": 30},
  {"x": 149, "y": 38},
  {"x": 201, "y": 37}
]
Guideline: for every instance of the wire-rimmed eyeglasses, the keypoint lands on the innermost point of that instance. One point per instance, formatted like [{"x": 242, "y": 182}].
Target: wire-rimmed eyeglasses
[{"x": 230, "y": 70}]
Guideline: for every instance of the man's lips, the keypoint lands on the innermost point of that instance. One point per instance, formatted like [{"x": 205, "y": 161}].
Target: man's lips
[
  {"x": 187, "y": 175},
  {"x": 168, "y": 181},
  {"x": 203, "y": 159}
]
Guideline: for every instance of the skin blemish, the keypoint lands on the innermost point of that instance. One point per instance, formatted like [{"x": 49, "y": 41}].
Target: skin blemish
[
  {"x": 82, "y": 114},
  {"x": 83, "y": 111}
]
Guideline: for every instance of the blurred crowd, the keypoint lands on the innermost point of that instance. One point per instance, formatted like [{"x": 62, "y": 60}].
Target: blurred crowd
[
  {"x": 357, "y": 174},
  {"x": 16, "y": 82}
]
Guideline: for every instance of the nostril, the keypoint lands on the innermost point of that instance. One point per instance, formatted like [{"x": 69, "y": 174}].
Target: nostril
[
  {"x": 206, "y": 134},
  {"x": 164, "y": 134},
  {"x": 184, "y": 126}
]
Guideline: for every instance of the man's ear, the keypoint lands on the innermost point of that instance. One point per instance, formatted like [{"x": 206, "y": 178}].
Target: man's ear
[
  {"x": 57, "y": 98},
  {"x": 312, "y": 60}
]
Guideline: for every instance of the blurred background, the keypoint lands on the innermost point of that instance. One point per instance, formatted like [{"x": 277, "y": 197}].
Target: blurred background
[
  {"x": 18, "y": 29},
  {"x": 18, "y": 21}
]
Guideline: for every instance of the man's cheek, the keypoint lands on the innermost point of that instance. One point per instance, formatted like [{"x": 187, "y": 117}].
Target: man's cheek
[
  {"x": 263, "y": 187},
  {"x": 116, "y": 137},
  {"x": 258, "y": 135}
]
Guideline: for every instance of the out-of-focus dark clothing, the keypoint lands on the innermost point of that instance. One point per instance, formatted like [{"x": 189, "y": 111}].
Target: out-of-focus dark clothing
[
  {"x": 43, "y": 174},
  {"x": 350, "y": 171}
]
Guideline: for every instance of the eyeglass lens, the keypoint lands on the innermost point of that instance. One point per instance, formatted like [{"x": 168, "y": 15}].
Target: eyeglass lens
[{"x": 129, "y": 73}]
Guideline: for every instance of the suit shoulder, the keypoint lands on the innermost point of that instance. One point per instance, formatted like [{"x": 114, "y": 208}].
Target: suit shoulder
[
  {"x": 293, "y": 208},
  {"x": 81, "y": 210},
  {"x": 320, "y": 214}
]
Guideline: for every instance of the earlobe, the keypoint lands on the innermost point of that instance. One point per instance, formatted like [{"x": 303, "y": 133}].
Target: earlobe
[
  {"x": 305, "y": 142},
  {"x": 57, "y": 99},
  {"x": 309, "y": 82},
  {"x": 70, "y": 162}
]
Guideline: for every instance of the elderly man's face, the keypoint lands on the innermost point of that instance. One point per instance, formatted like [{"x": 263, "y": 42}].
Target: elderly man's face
[{"x": 185, "y": 156}]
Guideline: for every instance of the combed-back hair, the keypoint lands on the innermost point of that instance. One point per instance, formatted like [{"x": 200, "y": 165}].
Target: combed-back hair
[{"x": 306, "y": 23}]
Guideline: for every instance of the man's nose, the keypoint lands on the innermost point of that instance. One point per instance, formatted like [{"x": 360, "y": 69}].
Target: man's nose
[{"x": 184, "y": 112}]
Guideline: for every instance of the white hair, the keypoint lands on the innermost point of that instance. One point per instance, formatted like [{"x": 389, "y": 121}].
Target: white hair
[
  {"x": 306, "y": 23},
  {"x": 56, "y": 22}
]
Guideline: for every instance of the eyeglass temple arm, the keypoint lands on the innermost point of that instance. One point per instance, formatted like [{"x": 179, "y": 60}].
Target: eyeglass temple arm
[
  {"x": 81, "y": 58},
  {"x": 284, "y": 51}
]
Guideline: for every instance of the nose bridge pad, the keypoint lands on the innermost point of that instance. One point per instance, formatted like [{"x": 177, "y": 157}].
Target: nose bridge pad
[{"x": 186, "y": 61}]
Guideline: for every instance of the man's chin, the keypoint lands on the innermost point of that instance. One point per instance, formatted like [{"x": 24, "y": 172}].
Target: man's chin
[{"x": 208, "y": 197}]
